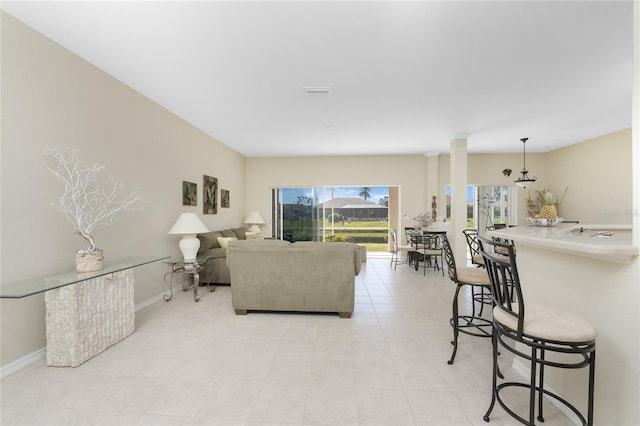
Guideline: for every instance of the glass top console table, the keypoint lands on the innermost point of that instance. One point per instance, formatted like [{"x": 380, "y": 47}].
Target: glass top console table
[
  {"x": 31, "y": 286},
  {"x": 86, "y": 312}
]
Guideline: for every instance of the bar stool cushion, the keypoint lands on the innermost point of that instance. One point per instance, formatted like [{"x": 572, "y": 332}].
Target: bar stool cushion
[
  {"x": 474, "y": 276},
  {"x": 548, "y": 323},
  {"x": 432, "y": 252}
]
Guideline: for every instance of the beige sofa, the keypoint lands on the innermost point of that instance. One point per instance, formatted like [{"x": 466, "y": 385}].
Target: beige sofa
[{"x": 274, "y": 275}]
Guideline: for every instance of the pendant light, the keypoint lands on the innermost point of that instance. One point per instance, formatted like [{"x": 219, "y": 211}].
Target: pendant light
[{"x": 524, "y": 180}]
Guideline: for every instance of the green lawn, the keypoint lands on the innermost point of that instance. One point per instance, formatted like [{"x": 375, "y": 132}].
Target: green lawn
[
  {"x": 373, "y": 234},
  {"x": 375, "y": 247},
  {"x": 359, "y": 224}
]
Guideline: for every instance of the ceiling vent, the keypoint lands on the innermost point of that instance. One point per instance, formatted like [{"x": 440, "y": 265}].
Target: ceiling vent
[{"x": 317, "y": 92}]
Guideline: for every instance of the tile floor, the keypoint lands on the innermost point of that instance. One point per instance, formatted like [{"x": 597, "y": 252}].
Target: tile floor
[{"x": 199, "y": 364}]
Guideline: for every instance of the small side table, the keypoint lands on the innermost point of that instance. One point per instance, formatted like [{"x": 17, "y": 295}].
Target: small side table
[{"x": 179, "y": 266}]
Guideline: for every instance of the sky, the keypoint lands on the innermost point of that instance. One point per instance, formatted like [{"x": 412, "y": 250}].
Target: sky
[{"x": 469, "y": 191}]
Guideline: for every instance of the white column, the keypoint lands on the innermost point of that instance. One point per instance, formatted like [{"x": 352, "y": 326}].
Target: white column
[{"x": 458, "y": 199}]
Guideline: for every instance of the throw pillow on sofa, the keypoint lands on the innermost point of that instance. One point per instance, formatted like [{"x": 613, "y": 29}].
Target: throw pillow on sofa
[{"x": 224, "y": 241}]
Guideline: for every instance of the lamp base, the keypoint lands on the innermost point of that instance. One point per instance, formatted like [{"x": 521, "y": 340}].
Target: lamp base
[
  {"x": 189, "y": 245},
  {"x": 254, "y": 228}
]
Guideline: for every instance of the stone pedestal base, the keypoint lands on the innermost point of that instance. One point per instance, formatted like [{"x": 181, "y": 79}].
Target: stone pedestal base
[{"x": 86, "y": 318}]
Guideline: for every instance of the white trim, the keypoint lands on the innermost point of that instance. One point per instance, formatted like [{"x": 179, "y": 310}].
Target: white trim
[
  {"x": 150, "y": 302},
  {"x": 41, "y": 353},
  {"x": 23, "y": 362}
]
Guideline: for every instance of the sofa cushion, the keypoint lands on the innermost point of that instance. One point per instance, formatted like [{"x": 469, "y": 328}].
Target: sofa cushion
[
  {"x": 239, "y": 233},
  {"x": 216, "y": 253},
  {"x": 227, "y": 233},
  {"x": 261, "y": 243},
  {"x": 209, "y": 240},
  {"x": 337, "y": 246}
]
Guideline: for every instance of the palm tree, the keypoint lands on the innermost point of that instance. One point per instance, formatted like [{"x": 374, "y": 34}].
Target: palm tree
[{"x": 365, "y": 194}]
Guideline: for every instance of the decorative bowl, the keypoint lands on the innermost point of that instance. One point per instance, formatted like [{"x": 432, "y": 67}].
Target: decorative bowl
[{"x": 543, "y": 222}]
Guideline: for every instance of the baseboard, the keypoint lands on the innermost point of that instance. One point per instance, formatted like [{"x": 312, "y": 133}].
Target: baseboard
[
  {"x": 525, "y": 372},
  {"x": 149, "y": 302},
  {"x": 23, "y": 362},
  {"x": 41, "y": 353}
]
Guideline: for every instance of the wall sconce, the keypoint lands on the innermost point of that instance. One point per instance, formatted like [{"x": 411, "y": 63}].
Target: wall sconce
[{"x": 506, "y": 172}]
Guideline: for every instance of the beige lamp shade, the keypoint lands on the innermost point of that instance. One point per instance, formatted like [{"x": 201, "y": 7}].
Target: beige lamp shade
[
  {"x": 254, "y": 219},
  {"x": 188, "y": 225}
]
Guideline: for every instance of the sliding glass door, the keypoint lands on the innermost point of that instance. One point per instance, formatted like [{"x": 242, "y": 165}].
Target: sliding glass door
[
  {"x": 355, "y": 214},
  {"x": 494, "y": 207},
  {"x": 487, "y": 207},
  {"x": 297, "y": 215}
]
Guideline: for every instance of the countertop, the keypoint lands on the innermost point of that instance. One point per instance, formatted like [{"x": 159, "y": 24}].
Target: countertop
[{"x": 594, "y": 240}]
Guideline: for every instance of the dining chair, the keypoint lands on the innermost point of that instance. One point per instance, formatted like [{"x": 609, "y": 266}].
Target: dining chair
[
  {"x": 398, "y": 249},
  {"x": 429, "y": 248}
]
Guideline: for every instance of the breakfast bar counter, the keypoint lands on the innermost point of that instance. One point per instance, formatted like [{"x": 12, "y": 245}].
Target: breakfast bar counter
[
  {"x": 592, "y": 273},
  {"x": 611, "y": 243}
]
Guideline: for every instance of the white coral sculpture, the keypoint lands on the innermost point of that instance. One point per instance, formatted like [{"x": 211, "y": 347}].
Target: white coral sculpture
[
  {"x": 423, "y": 220},
  {"x": 84, "y": 203}
]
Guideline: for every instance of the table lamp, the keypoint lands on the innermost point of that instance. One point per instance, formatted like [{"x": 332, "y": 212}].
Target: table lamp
[
  {"x": 254, "y": 219},
  {"x": 188, "y": 225}
]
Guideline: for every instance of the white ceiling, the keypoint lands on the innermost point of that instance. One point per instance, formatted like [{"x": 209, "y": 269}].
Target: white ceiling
[{"x": 405, "y": 77}]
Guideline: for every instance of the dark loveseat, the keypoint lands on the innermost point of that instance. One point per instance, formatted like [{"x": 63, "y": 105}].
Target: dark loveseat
[{"x": 216, "y": 270}]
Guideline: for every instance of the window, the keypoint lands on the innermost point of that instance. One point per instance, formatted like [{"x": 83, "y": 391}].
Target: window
[{"x": 487, "y": 206}]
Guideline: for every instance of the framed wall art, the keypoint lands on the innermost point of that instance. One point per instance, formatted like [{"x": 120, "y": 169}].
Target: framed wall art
[
  {"x": 224, "y": 198},
  {"x": 210, "y": 203},
  {"x": 189, "y": 193}
]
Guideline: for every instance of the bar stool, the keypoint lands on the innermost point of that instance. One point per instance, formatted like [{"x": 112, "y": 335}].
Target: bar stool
[
  {"x": 473, "y": 324},
  {"x": 471, "y": 235},
  {"x": 541, "y": 329}
]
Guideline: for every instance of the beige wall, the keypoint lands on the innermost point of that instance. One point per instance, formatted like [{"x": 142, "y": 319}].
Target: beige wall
[
  {"x": 406, "y": 171},
  {"x": 51, "y": 97},
  {"x": 599, "y": 191},
  {"x": 598, "y": 175}
]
